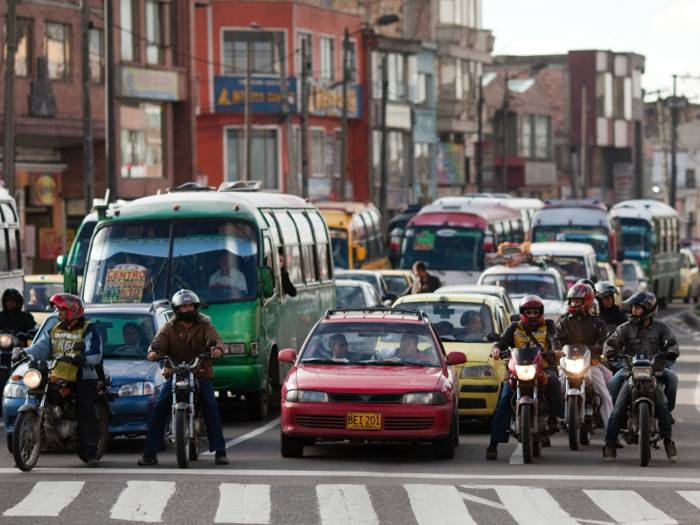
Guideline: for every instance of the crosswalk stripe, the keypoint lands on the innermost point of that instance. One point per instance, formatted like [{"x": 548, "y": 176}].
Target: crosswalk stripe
[
  {"x": 143, "y": 500},
  {"x": 47, "y": 498},
  {"x": 533, "y": 506},
  {"x": 438, "y": 505},
  {"x": 628, "y": 507},
  {"x": 243, "y": 504},
  {"x": 693, "y": 496},
  {"x": 345, "y": 505}
]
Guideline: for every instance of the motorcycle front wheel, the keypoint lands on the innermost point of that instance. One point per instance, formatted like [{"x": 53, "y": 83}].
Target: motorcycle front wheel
[
  {"x": 526, "y": 432},
  {"x": 572, "y": 422},
  {"x": 181, "y": 443},
  {"x": 644, "y": 438},
  {"x": 26, "y": 441}
]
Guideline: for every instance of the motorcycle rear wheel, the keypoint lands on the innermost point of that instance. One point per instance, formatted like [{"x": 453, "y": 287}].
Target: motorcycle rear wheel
[
  {"x": 26, "y": 442},
  {"x": 526, "y": 432},
  {"x": 181, "y": 443},
  {"x": 644, "y": 438},
  {"x": 572, "y": 422}
]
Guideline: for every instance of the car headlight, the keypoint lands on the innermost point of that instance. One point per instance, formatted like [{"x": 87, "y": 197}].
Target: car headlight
[
  {"x": 641, "y": 373},
  {"x": 425, "y": 398},
  {"x": 477, "y": 371},
  {"x": 525, "y": 372},
  {"x": 145, "y": 388},
  {"x": 307, "y": 396},
  {"x": 15, "y": 390},
  {"x": 5, "y": 340},
  {"x": 32, "y": 378},
  {"x": 574, "y": 366}
]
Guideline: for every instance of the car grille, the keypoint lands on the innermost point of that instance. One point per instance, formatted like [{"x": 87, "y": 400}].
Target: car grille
[
  {"x": 408, "y": 423},
  {"x": 313, "y": 421},
  {"x": 483, "y": 389},
  {"x": 366, "y": 398},
  {"x": 471, "y": 403}
]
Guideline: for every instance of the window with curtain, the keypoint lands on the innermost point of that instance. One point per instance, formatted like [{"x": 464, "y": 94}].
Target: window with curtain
[
  {"x": 141, "y": 140},
  {"x": 97, "y": 56},
  {"x": 129, "y": 32},
  {"x": 57, "y": 40},
  {"x": 23, "y": 54},
  {"x": 264, "y": 59},
  {"x": 155, "y": 34},
  {"x": 264, "y": 156},
  {"x": 327, "y": 49},
  {"x": 317, "y": 150}
]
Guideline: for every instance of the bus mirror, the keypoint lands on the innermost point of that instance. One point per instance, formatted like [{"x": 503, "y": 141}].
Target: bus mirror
[
  {"x": 70, "y": 280},
  {"x": 652, "y": 239},
  {"x": 265, "y": 283},
  {"x": 60, "y": 262},
  {"x": 360, "y": 253}
]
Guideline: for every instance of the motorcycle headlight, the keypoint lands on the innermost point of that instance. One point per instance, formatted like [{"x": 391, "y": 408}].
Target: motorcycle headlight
[
  {"x": 5, "y": 340},
  {"x": 425, "y": 398},
  {"x": 574, "y": 366},
  {"x": 525, "y": 372},
  {"x": 307, "y": 396},
  {"x": 641, "y": 373},
  {"x": 15, "y": 390},
  {"x": 477, "y": 371},
  {"x": 145, "y": 388},
  {"x": 183, "y": 383},
  {"x": 32, "y": 378}
]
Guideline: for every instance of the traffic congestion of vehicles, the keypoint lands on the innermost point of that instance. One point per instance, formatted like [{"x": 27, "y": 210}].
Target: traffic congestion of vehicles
[{"x": 302, "y": 312}]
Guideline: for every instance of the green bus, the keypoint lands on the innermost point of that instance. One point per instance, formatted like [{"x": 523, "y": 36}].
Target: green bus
[
  {"x": 650, "y": 235},
  {"x": 224, "y": 245}
]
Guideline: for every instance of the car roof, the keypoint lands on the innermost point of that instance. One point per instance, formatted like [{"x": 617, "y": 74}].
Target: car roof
[
  {"x": 522, "y": 268},
  {"x": 450, "y": 298},
  {"x": 395, "y": 272},
  {"x": 350, "y": 282},
  {"x": 40, "y": 278},
  {"x": 472, "y": 288},
  {"x": 376, "y": 315},
  {"x": 347, "y": 207},
  {"x": 560, "y": 248}
]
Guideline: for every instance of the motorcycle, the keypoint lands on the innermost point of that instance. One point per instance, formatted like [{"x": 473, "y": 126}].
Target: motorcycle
[
  {"x": 48, "y": 418},
  {"x": 8, "y": 341},
  {"x": 187, "y": 421},
  {"x": 642, "y": 425}
]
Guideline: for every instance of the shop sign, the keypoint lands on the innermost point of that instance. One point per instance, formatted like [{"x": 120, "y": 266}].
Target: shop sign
[
  {"x": 45, "y": 189},
  {"x": 450, "y": 164},
  {"x": 50, "y": 243},
  {"x": 325, "y": 101},
  {"x": 124, "y": 284},
  {"x": 149, "y": 84},
  {"x": 265, "y": 96},
  {"x": 398, "y": 116}
]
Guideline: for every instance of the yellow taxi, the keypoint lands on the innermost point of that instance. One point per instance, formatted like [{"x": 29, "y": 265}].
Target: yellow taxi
[
  {"x": 690, "y": 277},
  {"x": 398, "y": 281},
  {"x": 38, "y": 289},
  {"x": 462, "y": 322}
]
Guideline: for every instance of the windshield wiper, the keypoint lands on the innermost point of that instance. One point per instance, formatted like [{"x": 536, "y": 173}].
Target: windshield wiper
[{"x": 325, "y": 360}]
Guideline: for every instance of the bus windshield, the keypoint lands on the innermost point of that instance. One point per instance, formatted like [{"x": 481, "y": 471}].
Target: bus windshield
[
  {"x": 339, "y": 243},
  {"x": 82, "y": 242},
  {"x": 596, "y": 236},
  {"x": 635, "y": 238},
  {"x": 140, "y": 262},
  {"x": 444, "y": 248}
]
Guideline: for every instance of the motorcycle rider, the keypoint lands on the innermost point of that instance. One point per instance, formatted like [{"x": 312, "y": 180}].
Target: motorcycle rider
[
  {"x": 605, "y": 292},
  {"x": 77, "y": 368},
  {"x": 12, "y": 318},
  {"x": 183, "y": 338},
  {"x": 642, "y": 333},
  {"x": 519, "y": 334}
]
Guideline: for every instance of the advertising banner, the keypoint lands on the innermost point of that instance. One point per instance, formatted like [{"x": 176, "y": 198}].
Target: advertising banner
[
  {"x": 229, "y": 93},
  {"x": 450, "y": 164},
  {"x": 50, "y": 243},
  {"x": 326, "y": 101},
  {"x": 149, "y": 84},
  {"x": 124, "y": 284}
]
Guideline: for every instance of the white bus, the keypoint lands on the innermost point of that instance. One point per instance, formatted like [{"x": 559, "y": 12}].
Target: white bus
[
  {"x": 11, "y": 269},
  {"x": 525, "y": 206}
]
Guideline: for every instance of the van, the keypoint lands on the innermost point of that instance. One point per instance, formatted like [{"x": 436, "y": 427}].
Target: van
[{"x": 575, "y": 260}]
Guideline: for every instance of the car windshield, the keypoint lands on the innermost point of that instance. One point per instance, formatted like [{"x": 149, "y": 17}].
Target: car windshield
[
  {"x": 596, "y": 236},
  {"x": 635, "y": 238},
  {"x": 137, "y": 262},
  {"x": 521, "y": 284},
  {"x": 349, "y": 297},
  {"x": 629, "y": 272},
  {"x": 372, "y": 344},
  {"x": 38, "y": 294},
  {"x": 396, "y": 283},
  {"x": 339, "y": 243},
  {"x": 443, "y": 248},
  {"x": 466, "y": 322}
]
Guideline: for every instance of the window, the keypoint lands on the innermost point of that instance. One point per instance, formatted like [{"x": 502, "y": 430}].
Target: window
[
  {"x": 327, "y": 58},
  {"x": 421, "y": 164},
  {"x": 129, "y": 34},
  {"x": 535, "y": 136},
  {"x": 337, "y": 148},
  {"x": 323, "y": 262},
  {"x": 141, "y": 140},
  {"x": 397, "y": 76},
  {"x": 690, "y": 179},
  {"x": 352, "y": 62},
  {"x": 423, "y": 85},
  {"x": 155, "y": 35},
  {"x": 4, "y": 263},
  {"x": 23, "y": 53},
  {"x": 451, "y": 79},
  {"x": 317, "y": 138},
  {"x": 57, "y": 39},
  {"x": 15, "y": 255},
  {"x": 305, "y": 40},
  {"x": 264, "y": 57},
  {"x": 376, "y": 80},
  {"x": 604, "y": 94},
  {"x": 637, "y": 83},
  {"x": 459, "y": 12},
  {"x": 525, "y": 138},
  {"x": 264, "y": 156},
  {"x": 542, "y": 137},
  {"x": 397, "y": 156},
  {"x": 97, "y": 64}
]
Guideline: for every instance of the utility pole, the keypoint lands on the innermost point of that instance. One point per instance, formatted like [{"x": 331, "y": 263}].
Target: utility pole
[
  {"x": 248, "y": 139},
  {"x": 479, "y": 145},
  {"x": 8, "y": 153},
  {"x": 503, "y": 179},
  {"x": 344, "y": 125},
  {"x": 111, "y": 123},
  {"x": 304, "y": 121},
  {"x": 292, "y": 174},
  {"x": 583, "y": 179},
  {"x": 662, "y": 135},
  {"x": 88, "y": 155},
  {"x": 384, "y": 153},
  {"x": 674, "y": 137}
]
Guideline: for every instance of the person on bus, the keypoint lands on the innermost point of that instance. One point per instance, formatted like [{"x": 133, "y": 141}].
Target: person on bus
[
  {"x": 287, "y": 284},
  {"x": 226, "y": 275},
  {"x": 12, "y": 318},
  {"x": 425, "y": 283}
]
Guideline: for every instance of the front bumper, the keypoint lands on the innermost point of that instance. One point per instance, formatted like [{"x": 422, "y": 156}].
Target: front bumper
[{"x": 478, "y": 397}]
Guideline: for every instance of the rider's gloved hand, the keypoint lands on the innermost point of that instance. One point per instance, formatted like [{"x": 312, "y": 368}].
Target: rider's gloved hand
[
  {"x": 18, "y": 354},
  {"x": 78, "y": 360}
]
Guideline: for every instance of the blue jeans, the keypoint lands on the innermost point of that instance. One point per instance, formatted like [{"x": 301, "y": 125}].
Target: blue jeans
[
  {"x": 504, "y": 410},
  {"x": 669, "y": 381},
  {"x": 619, "y": 414},
  {"x": 163, "y": 408}
]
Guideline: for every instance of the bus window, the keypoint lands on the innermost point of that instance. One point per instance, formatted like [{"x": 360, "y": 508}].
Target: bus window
[
  {"x": 371, "y": 237},
  {"x": 8, "y": 213},
  {"x": 323, "y": 262},
  {"x": 286, "y": 224},
  {"x": 308, "y": 255},
  {"x": 293, "y": 264},
  {"x": 517, "y": 228},
  {"x": 319, "y": 227},
  {"x": 307, "y": 248},
  {"x": 379, "y": 233},
  {"x": 15, "y": 255},
  {"x": 4, "y": 262},
  {"x": 499, "y": 237},
  {"x": 506, "y": 231},
  {"x": 273, "y": 228},
  {"x": 303, "y": 227}
]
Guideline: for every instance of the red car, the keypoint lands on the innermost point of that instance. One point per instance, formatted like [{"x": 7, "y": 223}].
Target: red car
[{"x": 374, "y": 375}]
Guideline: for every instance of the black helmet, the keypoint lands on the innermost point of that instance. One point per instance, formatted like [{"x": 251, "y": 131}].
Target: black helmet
[
  {"x": 605, "y": 289},
  {"x": 586, "y": 281},
  {"x": 646, "y": 300},
  {"x": 185, "y": 297},
  {"x": 12, "y": 294}
]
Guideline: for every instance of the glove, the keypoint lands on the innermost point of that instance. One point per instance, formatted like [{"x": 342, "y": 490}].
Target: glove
[
  {"x": 79, "y": 360},
  {"x": 18, "y": 354}
]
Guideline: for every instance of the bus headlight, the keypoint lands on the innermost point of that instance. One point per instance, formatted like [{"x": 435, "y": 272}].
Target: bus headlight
[
  {"x": 306, "y": 396},
  {"x": 32, "y": 378},
  {"x": 525, "y": 372},
  {"x": 642, "y": 373}
]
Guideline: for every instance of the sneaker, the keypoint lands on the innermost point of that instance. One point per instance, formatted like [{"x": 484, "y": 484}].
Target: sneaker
[
  {"x": 93, "y": 462},
  {"x": 618, "y": 443},
  {"x": 552, "y": 426},
  {"x": 670, "y": 447},
  {"x": 149, "y": 458},
  {"x": 220, "y": 458},
  {"x": 609, "y": 452},
  {"x": 491, "y": 453}
]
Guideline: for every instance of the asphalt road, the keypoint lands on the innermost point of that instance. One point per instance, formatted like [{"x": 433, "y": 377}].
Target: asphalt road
[{"x": 370, "y": 484}]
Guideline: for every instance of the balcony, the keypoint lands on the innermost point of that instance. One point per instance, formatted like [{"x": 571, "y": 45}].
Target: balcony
[{"x": 464, "y": 42}]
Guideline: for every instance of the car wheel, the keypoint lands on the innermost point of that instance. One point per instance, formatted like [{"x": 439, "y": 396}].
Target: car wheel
[
  {"x": 445, "y": 448},
  {"x": 8, "y": 437},
  {"x": 291, "y": 447}
]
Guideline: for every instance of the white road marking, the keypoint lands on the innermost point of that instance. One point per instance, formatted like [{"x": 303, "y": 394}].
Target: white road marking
[
  {"x": 628, "y": 507},
  {"x": 143, "y": 500},
  {"x": 517, "y": 457},
  {"x": 483, "y": 501},
  {"x": 692, "y": 496},
  {"x": 697, "y": 393},
  {"x": 249, "y": 435},
  {"x": 47, "y": 498},
  {"x": 533, "y": 506},
  {"x": 438, "y": 505},
  {"x": 243, "y": 504},
  {"x": 345, "y": 505}
]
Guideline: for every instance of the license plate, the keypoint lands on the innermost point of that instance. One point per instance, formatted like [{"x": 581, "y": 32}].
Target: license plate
[{"x": 361, "y": 421}]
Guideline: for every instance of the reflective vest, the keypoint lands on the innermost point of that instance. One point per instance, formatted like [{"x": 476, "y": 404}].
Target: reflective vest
[
  {"x": 522, "y": 340},
  {"x": 62, "y": 341}
]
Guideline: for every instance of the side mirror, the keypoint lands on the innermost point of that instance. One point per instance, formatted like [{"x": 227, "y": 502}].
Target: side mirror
[
  {"x": 670, "y": 342},
  {"x": 211, "y": 343},
  {"x": 79, "y": 346},
  {"x": 515, "y": 318},
  {"x": 456, "y": 358},
  {"x": 287, "y": 356},
  {"x": 60, "y": 263},
  {"x": 360, "y": 253},
  {"x": 266, "y": 284},
  {"x": 493, "y": 337},
  {"x": 390, "y": 296},
  {"x": 70, "y": 280}
]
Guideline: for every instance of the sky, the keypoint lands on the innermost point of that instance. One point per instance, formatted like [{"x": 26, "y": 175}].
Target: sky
[{"x": 666, "y": 32}]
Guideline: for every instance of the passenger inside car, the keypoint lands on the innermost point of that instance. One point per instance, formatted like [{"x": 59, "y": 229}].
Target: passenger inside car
[
  {"x": 38, "y": 298},
  {"x": 132, "y": 335},
  {"x": 407, "y": 351}
]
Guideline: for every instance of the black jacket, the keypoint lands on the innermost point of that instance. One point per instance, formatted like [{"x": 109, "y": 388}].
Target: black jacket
[
  {"x": 583, "y": 330},
  {"x": 613, "y": 315},
  {"x": 432, "y": 284},
  {"x": 19, "y": 322},
  {"x": 649, "y": 339},
  {"x": 287, "y": 285}
]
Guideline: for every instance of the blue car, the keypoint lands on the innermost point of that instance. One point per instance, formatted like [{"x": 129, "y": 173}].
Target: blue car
[{"x": 126, "y": 331}]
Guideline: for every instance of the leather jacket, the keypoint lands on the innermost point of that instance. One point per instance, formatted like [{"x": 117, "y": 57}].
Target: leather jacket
[
  {"x": 648, "y": 339},
  {"x": 584, "y": 330},
  {"x": 613, "y": 315}
]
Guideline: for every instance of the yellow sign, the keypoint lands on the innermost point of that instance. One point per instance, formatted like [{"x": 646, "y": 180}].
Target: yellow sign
[
  {"x": 329, "y": 102},
  {"x": 46, "y": 189},
  {"x": 124, "y": 284}
]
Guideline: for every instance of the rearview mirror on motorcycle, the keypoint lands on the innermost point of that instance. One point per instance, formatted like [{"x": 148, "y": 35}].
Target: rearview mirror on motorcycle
[
  {"x": 79, "y": 346},
  {"x": 493, "y": 337},
  {"x": 670, "y": 342}
]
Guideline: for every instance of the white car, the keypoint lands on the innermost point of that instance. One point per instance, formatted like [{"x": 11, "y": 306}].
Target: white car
[
  {"x": 525, "y": 279},
  {"x": 575, "y": 260}
]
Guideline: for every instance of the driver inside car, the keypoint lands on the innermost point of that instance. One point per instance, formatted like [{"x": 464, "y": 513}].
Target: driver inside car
[
  {"x": 407, "y": 351},
  {"x": 132, "y": 335},
  {"x": 471, "y": 322}
]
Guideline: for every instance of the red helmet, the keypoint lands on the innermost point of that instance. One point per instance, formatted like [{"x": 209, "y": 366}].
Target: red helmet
[
  {"x": 580, "y": 291},
  {"x": 71, "y": 302},
  {"x": 528, "y": 302}
]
